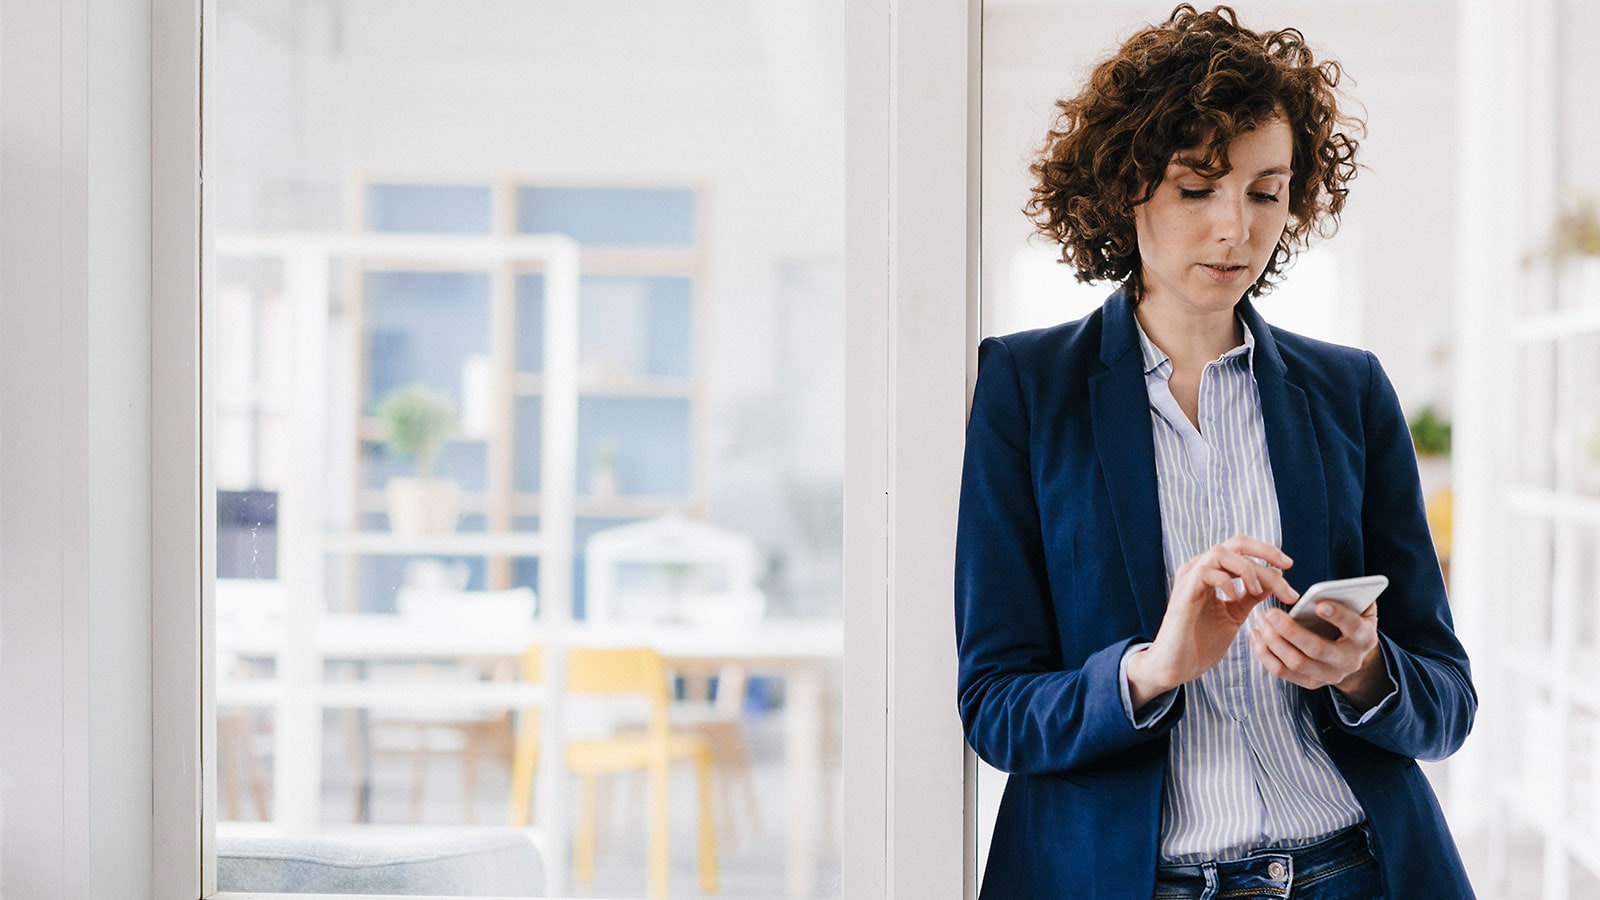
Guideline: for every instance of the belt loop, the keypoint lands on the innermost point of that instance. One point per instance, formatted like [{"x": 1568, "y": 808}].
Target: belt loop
[{"x": 1372, "y": 839}]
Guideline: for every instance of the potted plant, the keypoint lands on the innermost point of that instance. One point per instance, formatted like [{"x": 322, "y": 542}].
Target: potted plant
[
  {"x": 1430, "y": 435},
  {"x": 417, "y": 420},
  {"x": 1580, "y": 239},
  {"x": 1578, "y": 230},
  {"x": 1574, "y": 249}
]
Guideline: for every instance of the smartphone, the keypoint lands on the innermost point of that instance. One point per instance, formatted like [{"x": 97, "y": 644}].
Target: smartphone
[{"x": 1355, "y": 593}]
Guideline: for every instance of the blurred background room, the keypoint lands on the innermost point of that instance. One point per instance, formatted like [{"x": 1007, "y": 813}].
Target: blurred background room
[{"x": 527, "y": 347}]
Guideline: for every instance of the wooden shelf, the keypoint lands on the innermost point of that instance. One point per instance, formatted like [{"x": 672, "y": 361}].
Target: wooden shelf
[
  {"x": 526, "y": 503},
  {"x": 531, "y": 384},
  {"x": 409, "y": 696},
  {"x": 464, "y": 543}
]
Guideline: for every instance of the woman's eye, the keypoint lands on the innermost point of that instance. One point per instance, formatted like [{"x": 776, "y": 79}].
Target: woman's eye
[
  {"x": 1195, "y": 194},
  {"x": 1263, "y": 197}
]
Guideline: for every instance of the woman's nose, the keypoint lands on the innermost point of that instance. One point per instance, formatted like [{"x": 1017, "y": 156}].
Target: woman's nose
[{"x": 1231, "y": 223}]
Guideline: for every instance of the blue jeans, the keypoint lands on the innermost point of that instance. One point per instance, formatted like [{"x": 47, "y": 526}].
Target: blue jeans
[{"x": 1338, "y": 867}]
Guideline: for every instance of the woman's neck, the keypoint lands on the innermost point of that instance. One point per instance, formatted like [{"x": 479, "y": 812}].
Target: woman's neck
[{"x": 1190, "y": 340}]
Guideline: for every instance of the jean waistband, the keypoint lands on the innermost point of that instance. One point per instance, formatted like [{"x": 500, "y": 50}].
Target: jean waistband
[{"x": 1306, "y": 861}]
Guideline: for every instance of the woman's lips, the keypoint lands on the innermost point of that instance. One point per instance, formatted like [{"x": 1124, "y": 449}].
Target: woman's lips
[{"x": 1223, "y": 273}]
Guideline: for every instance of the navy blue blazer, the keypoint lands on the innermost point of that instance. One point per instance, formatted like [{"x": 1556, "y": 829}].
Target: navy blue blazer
[{"x": 1059, "y": 568}]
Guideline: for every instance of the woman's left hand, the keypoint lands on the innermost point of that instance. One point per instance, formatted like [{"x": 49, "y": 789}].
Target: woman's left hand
[{"x": 1352, "y": 664}]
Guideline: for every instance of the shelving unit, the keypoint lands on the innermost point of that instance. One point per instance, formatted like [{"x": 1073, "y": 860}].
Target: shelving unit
[
  {"x": 639, "y": 380},
  {"x": 1548, "y": 626},
  {"x": 314, "y": 531},
  {"x": 1525, "y": 575},
  {"x": 492, "y": 316}
]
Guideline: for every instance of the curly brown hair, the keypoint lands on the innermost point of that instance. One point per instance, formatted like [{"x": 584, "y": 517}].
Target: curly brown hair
[{"x": 1194, "y": 82}]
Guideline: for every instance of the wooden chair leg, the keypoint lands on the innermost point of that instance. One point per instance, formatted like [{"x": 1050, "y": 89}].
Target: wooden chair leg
[
  {"x": 472, "y": 747},
  {"x": 252, "y": 767},
  {"x": 583, "y": 840},
  {"x": 419, "y": 773},
  {"x": 524, "y": 763},
  {"x": 752, "y": 806},
  {"x": 236, "y": 738},
  {"x": 730, "y": 759},
  {"x": 230, "y": 734},
  {"x": 660, "y": 827},
  {"x": 708, "y": 828}
]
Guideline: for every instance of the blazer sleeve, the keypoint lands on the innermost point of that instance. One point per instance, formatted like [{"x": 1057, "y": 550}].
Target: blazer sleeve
[
  {"x": 1024, "y": 708},
  {"x": 1436, "y": 701}
]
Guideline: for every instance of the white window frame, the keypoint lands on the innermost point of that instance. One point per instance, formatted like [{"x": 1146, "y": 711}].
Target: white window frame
[{"x": 911, "y": 322}]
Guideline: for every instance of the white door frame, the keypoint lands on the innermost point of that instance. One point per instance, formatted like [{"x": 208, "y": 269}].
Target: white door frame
[
  {"x": 912, "y": 285},
  {"x": 184, "y": 505}
]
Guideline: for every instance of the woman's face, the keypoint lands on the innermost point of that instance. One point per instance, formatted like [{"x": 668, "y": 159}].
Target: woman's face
[{"x": 1204, "y": 241}]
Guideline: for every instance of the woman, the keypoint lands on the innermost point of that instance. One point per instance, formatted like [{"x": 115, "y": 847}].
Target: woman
[{"x": 1146, "y": 489}]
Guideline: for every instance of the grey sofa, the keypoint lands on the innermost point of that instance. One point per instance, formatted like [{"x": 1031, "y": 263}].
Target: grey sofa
[{"x": 475, "y": 862}]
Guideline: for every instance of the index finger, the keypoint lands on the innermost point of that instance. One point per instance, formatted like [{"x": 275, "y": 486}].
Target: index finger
[{"x": 1270, "y": 554}]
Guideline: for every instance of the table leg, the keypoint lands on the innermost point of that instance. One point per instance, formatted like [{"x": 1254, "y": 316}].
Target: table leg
[
  {"x": 802, "y": 755},
  {"x": 550, "y": 780}
]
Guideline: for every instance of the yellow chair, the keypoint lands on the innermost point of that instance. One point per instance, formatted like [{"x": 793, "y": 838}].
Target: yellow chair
[
  {"x": 638, "y": 672},
  {"x": 525, "y": 752}
]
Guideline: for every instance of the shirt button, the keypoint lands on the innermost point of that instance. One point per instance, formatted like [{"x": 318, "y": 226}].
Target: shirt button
[{"x": 1276, "y": 871}]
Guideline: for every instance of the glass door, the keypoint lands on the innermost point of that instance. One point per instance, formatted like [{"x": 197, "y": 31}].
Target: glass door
[{"x": 526, "y": 332}]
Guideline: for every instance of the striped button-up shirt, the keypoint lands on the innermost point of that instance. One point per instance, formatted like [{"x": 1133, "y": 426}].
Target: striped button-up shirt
[{"x": 1246, "y": 768}]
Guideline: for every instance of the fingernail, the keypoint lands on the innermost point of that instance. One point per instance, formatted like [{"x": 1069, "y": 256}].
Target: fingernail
[{"x": 1325, "y": 610}]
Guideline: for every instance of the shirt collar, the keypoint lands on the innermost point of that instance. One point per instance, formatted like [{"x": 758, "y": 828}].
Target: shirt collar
[{"x": 1155, "y": 359}]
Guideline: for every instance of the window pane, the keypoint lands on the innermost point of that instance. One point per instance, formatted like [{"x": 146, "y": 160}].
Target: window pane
[
  {"x": 526, "y": 365},
  {"x": 594, "y": 215},
  {"x": 424, "y": 327},
  {"x": 429, "y": 207}
]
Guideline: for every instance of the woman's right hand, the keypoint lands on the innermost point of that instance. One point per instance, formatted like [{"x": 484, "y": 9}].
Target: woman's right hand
[{"x": 1205, "y": 612}]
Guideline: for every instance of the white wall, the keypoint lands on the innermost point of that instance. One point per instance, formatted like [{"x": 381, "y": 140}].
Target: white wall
[{"x": 75, "y": 732}]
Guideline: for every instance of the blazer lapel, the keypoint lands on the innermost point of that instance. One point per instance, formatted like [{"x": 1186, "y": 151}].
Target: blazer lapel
[
  {"x": 1119, "y": 407},
  {"x": 1296, "y": 458}
]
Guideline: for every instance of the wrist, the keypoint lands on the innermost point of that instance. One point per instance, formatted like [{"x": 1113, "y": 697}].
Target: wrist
[
  {"x": 1368, "y": 685},
  {"x": 1146, "y": 680}
]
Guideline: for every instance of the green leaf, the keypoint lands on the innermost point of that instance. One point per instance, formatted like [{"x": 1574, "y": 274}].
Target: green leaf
[{"x": 417, "y": 420}]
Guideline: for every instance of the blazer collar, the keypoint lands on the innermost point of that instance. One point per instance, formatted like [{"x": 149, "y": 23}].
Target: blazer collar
[
  {"x": 1296, "y": 457},
  {"x": 1119, "y": 413}
]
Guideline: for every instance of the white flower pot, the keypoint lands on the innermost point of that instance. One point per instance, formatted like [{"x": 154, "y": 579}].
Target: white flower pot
[{"x": 423, "y": 506}]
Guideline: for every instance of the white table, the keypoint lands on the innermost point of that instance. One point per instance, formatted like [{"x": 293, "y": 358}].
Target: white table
[{"x": 801, "y": 652}]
